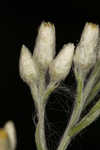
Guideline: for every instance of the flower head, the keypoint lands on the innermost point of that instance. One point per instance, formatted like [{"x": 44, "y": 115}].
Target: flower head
[
  {"x": 27, "y": 66},
  {"x": 8, "y": 137},
  {"x": 44, "y": 50},
  {"x": 85, "y": 56},
  {"x": 10, "y": 130},
  {"x": 60, "y": 66}
]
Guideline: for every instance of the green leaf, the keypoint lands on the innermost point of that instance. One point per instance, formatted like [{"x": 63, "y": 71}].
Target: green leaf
[{"x": 93, "y": 114}]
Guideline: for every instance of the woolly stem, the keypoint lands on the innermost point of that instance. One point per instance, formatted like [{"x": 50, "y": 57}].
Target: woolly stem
[
  {"x": 75, "y": 115},
  {"x": 92, "y": 80},
  {"x": 38, "y": 96},
  {"x": 86, "y": 121},
  {"x": 93, "y": 114},
  {"x": 92, "y": 95},
  {"x": 40, "y": 130}
]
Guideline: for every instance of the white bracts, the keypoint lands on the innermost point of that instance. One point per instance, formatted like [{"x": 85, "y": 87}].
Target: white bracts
[
  {"x": 8, "y": 137},
  {"x": 44, "y": 50},
  {"x": 27, "y": 66},
  {"x": 31, "y": 67},
  {"x": 85, "y": 56},
  {"x": 10, "y": 129},
  {"x": 60, "y": 66}
]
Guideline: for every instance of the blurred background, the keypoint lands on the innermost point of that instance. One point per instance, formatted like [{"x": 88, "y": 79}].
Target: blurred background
[{"x": 19, "y": 22}]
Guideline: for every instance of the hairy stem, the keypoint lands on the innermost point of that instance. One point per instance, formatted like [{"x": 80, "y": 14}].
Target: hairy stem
[
  {"x": 87, "y": 120},
  {"x": 92, "y": 80},
  {"x": 75, "y": 115},
  {"x": 40, "y": 131},
  {"x": 92, "y": 95},
  {"x": 38, "y": 96}
]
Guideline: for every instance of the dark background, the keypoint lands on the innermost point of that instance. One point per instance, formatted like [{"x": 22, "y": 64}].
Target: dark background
[{"x": 19, "y": 22}]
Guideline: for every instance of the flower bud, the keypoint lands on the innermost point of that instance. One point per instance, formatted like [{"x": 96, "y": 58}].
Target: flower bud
[
  {"x": 61, "y": 65},
  {"x": 27, "y": 66},
  {"x": 44, "y": 50},
  {"x": 10, "y": 130},
  {"x": 8, "y": 137},
  {"x": 4, "y": 142},
  {"x": 85, "y": 56}
]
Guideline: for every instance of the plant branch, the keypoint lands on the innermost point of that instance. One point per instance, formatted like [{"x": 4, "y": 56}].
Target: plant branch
[
  {"x": 93, "y": 114},
  {"x": 75, "y": 115},
  {"x": 92, "y": 80},
  {"x": 92, "y": 95}
]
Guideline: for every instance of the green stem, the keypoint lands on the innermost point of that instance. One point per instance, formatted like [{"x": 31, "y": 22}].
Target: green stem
[
  {"x": 38, "y": 96},
  {"x": 78, "y": 103},
  {"x": 50, "y": 88},
  {"x": 92, "y": 95},
  {"x": 87, "y": 120},
  {"x": 75, "y": 115},
  {"x": 40, "y": 130},
  {"x": 34, "y": 92},
  {"x": 91, "y": 81}
]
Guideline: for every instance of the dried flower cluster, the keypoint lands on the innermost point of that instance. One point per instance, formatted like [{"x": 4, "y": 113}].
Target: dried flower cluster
[
  {"x": 34, "y": 68},
  {"x": 85, "y": 58}
]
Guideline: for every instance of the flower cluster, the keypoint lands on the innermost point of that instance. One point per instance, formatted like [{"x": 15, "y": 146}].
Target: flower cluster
[
  {"x": 35, "y": 67},
  {"x": 43, "y": 58}
]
